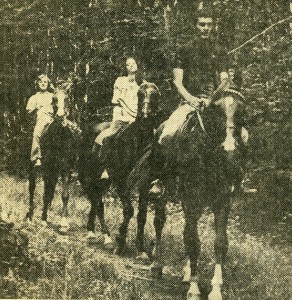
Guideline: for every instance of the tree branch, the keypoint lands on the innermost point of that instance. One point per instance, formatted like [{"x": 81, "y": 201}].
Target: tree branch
[{"x": 259, "y": 34}]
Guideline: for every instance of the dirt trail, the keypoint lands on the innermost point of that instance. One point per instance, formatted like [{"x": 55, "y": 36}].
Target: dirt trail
[{"x": 256, "y": 268}]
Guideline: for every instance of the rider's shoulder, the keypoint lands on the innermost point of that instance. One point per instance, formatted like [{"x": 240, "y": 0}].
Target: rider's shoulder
[
  {"x": 121, "y": 80},
  {"x": 39, "y": 95}
]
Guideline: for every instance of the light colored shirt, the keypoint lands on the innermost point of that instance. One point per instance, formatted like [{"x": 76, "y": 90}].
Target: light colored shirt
[
  {"x": 42, "y": 103},
  {"x": 125, "y": 94}
]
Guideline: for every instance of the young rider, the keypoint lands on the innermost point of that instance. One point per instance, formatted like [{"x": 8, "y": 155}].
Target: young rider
[
  {"x": 125, "y": 101},
  {"x": 41, "y": 104},
  {"x": 200, "y": 66}
]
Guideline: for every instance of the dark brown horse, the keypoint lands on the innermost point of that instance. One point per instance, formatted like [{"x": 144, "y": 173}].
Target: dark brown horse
[
  {"x": 208, "y": 155},
  {"x": 123, "y": 151},
  {"x": 58, "y": 146}
]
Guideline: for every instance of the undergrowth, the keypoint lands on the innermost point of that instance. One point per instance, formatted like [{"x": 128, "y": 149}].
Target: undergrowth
[{"x": 66, "y": 267}]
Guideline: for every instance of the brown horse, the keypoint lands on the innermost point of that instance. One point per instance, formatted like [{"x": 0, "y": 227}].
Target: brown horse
[
  {"x": 211, "y": 169},
  {"x": 58, "y": 147},
  {"x": 209, "y": 155},
  {"x": 121, "y": 154}
]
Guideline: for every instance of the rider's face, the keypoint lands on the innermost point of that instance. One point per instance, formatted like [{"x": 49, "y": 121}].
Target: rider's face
[
  {"x": 43, "y": 83},
  {"x": 204, "y": 27},
  {"x": 131, "y": 65}
]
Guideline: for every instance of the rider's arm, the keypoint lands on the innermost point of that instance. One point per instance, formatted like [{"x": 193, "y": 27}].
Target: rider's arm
[
  {"x": 117, "y": 91},
  {"x": 31, "y": 104},
  {"x": 178, "y": 82},
  {"x": 223, "y": 62}
]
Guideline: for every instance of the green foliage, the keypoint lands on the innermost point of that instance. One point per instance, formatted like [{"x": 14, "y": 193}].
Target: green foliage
[{"x": 57, "y": 37}]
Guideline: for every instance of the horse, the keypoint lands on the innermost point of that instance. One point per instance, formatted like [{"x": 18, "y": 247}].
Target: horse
[
  {"x": 58, "y": 146},
  {"x": 123, "y": 151},
  {"x": 210, "y": 155}
]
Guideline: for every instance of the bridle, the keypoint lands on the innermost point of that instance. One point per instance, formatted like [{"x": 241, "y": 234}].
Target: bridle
[
  {"x": 229, "y": 143},
  {"x": 147, "y": 96},
  {"x": 63, "y": 119}
]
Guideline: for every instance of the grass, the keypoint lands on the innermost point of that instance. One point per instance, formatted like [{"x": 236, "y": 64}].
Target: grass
[{"x": 66, "y": 267}]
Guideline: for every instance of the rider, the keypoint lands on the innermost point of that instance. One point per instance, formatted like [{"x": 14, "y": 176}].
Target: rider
[
  {"x": 125, "y": 101},
  {"x": 41, "y": 103},
  {"x": 200, "y": 66}
]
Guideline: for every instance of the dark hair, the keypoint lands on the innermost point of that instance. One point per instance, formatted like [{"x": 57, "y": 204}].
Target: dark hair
[
  {"x": 203, "y": 11},
  {"x": 138, "y": 76}
]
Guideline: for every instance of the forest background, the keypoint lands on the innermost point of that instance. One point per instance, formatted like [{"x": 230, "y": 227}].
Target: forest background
[{"x": 92, "y": 38}]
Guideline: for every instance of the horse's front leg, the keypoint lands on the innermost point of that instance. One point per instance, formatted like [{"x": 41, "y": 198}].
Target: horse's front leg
[
  {"x": 221, "y": 213},
  {"x": 141, "y": 221},
  {"x": 64, "y": 224},
  {"x": 31, "y": 188},
  {"x": 95, "y": 194},
  {"x": 192, "y": 245},
  {"x": 50, "y": 182},
  {"x": 128, "y": 212},
  {"x": 159, "y": 221}
]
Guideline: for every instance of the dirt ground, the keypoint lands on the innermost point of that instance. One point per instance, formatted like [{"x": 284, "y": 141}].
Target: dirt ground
[{"x": 66, "y": 266}]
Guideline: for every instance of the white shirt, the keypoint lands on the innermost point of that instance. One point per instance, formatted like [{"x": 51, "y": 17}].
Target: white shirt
[
  {"x": 42, "y": 102},
  {"x": 125, "y": 94}
]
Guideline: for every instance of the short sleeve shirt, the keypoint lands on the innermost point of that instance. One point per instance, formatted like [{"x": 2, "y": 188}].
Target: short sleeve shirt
[
  {"x": 125, "y": 94},
  {"x": 201, "y": 61},
  {"x": 42, "y": 102}
]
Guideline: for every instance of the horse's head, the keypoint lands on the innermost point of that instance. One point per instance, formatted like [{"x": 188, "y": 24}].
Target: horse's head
[
  {"x": 148, "y": 99},
  {"x": 62, "y": 103},
  {"x": 228, "y": 117}
]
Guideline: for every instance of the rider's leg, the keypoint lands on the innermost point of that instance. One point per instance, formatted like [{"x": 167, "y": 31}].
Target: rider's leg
[
  {"x": 107, "y": 143},
  {"x": 41, "y": 125},
  {"x": 174, "y": 122},
  {"x": 162, "y": 165}
]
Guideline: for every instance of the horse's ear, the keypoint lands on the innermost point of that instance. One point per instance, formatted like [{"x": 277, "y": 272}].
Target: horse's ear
[{"x": 225, "y": 83}]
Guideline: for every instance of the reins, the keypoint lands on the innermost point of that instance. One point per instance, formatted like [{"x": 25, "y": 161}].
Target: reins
[{"x": 223, "y": 90}]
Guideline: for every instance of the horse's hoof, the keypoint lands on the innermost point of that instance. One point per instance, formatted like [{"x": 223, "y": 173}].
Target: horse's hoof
[
  {"x": 143, "y": 256},
  {"x": 187, "y": 274},
  {"x": 119, "y": 250},
  {"x": 92, "y": 238},
  {"x": 91, "y": 235},
  {"x": 64, "y": 223},
  {"x": 215, "y": 294},
  {"x": 44, "y": 223},
  {"x": 191, "y": 296},
  {"x": 108, "y": 242},
  {"x": 154, "y": 251},
  {"x": 4, "y": 217},
  {"x": 63, "y": 230},
  {"x": 27, "y": 220},
  {"x": 193, "y": 292},
  {"x": 156, "y": 270}
]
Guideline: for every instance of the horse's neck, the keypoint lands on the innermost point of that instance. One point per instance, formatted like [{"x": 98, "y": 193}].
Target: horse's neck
[{"x": 143, "y": 133}]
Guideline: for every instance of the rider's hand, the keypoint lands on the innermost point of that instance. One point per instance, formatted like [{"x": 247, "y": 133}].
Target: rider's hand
[{"x": 195, "y": 102}]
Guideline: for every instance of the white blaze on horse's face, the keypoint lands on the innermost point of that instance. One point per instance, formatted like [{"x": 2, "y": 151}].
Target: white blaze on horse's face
[
  {"x": 230, "y": 106},
  {"x": 146, "y": 104},
  {"x": 149, "y": 92}
]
